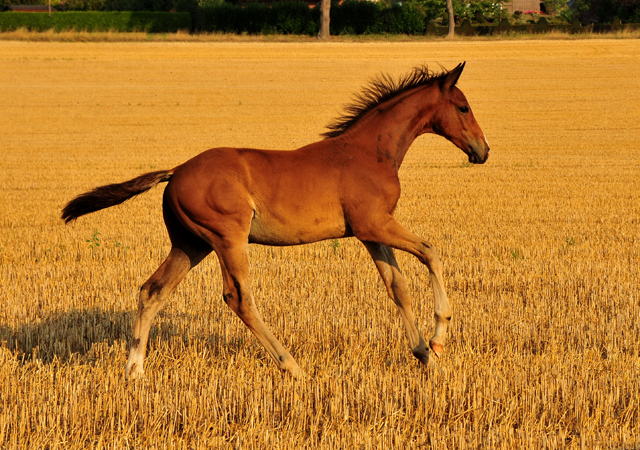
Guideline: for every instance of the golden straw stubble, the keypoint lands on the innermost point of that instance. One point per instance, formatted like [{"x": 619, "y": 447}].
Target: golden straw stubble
[{"x": 540, "y": 248}]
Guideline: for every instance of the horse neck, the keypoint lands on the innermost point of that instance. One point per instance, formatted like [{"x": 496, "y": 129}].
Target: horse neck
[{"x": 389, "y": 129}]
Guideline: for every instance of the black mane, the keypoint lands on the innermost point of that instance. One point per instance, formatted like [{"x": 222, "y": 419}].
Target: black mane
[{"x": 380, "y": 90}]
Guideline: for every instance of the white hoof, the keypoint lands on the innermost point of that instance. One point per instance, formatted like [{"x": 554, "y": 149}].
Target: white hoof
[
  {"x": 438, "y": 349},
  {"x": 134, "y": 371}
]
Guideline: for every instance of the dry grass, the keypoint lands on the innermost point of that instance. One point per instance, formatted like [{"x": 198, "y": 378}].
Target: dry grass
[
  {"x": 541, "y": 249},
  {"x": 114, "y": 36},
  {"x": 23, "y": 34}
]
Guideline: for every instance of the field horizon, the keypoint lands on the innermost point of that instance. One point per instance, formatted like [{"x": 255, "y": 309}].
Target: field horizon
[
  {"x": 540, "y": 246},
  {"x": 181, "y": 36}
]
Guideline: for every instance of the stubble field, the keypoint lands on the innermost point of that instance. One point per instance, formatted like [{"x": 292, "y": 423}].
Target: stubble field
[{"x": 541, "y": 249}]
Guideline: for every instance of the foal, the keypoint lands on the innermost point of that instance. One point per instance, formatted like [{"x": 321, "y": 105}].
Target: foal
[{"x": 345, "y": 185}]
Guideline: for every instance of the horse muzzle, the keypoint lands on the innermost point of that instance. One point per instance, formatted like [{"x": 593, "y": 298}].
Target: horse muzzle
[{"x": 478, "y": 154}]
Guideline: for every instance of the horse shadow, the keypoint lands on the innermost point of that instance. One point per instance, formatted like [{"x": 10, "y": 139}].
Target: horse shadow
[
  {"x": 65, "y": 334},
  {"x": 80, "y": 335}
]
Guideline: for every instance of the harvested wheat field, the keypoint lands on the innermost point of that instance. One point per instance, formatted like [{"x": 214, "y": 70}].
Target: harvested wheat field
[{"x": 540, "y": 246}]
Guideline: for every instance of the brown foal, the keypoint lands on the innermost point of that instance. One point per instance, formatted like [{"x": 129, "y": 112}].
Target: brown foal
[{"x": 345, "y": 185}]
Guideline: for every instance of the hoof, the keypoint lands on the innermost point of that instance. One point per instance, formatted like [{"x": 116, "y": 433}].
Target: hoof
[
  {"x": 288, "y": 365},
  {"x": 422, "y": 353},
  {"x": 134, "y": 371},
  {"x": 294, "y": 370},
  {"x": 438, "y": 349},
  {"x": 298, "y": 374}
]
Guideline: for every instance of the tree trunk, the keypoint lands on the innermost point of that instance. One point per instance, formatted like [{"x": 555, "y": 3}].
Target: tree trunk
[
  {"x": 452, "y": 23},
  {"x": 325, "y": 7}
]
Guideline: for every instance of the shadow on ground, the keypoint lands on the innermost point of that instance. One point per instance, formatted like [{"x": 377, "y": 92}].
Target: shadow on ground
[
  {"x": 65, "y": 334},
  {"x": 71, "y": 335}
]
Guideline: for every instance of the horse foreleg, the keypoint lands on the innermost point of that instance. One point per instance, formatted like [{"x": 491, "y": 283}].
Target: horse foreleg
[
  {"x": 398, "y": 290},
  {"x": 239, "y": 297},
  {"x": 392, "y": 234}
]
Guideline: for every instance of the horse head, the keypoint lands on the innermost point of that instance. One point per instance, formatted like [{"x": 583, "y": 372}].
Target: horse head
[{"x": 454, "y": 120}]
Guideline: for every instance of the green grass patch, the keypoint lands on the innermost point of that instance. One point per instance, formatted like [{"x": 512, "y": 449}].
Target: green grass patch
[{"x": 151, "y": 22}]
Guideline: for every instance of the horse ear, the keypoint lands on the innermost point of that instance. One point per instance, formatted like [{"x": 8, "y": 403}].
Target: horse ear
[{"x": 452, "y": 78}]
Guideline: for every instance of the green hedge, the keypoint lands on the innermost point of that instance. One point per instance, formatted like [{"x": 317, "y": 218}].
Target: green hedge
[
  {"x": 114, "y": 5},
  {"x": 259, "y": 18},
  {"x": 354, "y": 17},
  {"x": 363, "y": 17},
  {"x": 288, "y": 17},
  {"x": 542, "y": 26},
  {"x": 351, "y": 17},
  {"x": 152, "y": 22}
]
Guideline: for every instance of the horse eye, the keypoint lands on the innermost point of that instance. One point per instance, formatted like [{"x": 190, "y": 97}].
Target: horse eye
[{"x": 463, "y": 109}]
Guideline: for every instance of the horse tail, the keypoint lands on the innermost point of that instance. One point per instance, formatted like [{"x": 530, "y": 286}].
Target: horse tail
[{"x": 112, "y": 194}]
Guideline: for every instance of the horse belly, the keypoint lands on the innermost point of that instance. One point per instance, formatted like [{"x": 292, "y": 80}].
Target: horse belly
[{"x": 271, "y": 230}]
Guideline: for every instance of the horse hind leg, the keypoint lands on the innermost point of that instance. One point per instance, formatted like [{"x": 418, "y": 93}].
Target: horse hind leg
[
  {"x": 153, "y": 295},
  {"x": 238, "y": 296},
  {"x": 186, "y": 252}
]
